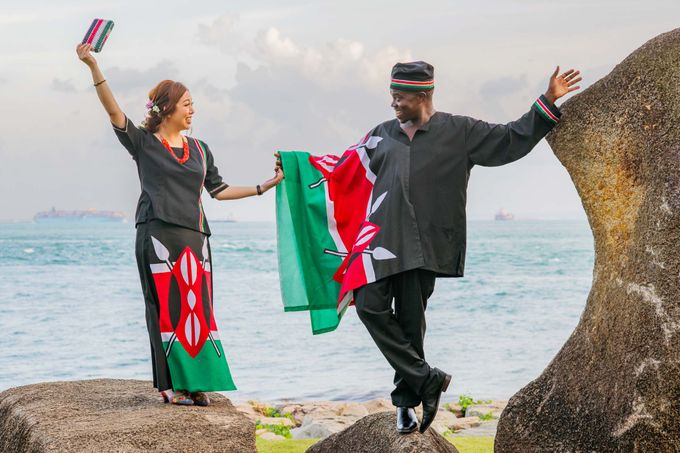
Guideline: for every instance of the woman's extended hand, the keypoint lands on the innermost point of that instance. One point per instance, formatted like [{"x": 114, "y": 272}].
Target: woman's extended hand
[
  {"x": 85, "y": 54},
  {"x": 268, "y": 184}
]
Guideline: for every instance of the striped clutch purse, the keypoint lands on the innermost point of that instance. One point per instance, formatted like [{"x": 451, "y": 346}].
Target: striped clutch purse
[{"x": 98, "y": 33}]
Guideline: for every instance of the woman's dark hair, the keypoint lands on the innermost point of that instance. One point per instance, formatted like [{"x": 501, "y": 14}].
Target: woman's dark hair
[{"x": 165, "y": 96}]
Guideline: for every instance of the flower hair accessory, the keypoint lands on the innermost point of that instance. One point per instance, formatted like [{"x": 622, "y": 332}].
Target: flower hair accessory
[{"x": 152, "y": 108}]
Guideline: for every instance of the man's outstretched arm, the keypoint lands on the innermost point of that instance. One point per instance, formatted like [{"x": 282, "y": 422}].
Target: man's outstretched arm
[{"x": 492, "y": 145}]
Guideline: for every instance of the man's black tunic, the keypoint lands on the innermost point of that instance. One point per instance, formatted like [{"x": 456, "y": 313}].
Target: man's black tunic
[{"x": 422, "y": 217}]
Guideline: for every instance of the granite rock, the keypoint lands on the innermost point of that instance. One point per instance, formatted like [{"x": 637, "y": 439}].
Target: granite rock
[
  {"x": 375, "y": 433},
  {"x": 115, "y": 415},
  {"x": 615, "y": 384}
]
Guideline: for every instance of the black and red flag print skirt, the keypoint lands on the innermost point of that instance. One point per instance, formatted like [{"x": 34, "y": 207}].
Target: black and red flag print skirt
[{"x": 175, "y": 268}]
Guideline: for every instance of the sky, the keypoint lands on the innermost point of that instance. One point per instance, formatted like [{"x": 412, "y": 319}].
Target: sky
[{"x": 290, "y": 75}]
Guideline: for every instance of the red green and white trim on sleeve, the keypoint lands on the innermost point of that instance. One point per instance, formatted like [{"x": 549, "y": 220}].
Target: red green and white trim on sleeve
[
  {"x": 550, "y": 114},
  {"x": 201, "y": 214},
  {"x": 412, "y": 84}
]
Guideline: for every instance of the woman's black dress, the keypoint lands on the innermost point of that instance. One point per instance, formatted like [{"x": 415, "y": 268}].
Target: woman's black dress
[{"x": 175, "y": 264}]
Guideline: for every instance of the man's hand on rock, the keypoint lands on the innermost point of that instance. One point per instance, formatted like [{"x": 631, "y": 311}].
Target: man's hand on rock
[{"x": 562, "y": 84}]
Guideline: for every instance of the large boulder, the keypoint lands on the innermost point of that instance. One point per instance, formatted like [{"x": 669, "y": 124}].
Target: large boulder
[
  {"x": 615, "y": 384},
  {"x": 376, "y": 434},
  {"x": 116, "y": 415}
]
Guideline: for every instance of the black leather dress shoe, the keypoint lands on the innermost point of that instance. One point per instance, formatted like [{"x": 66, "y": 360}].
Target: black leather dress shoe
[
  {"x": 406, "y": 420},
  {"x": 431, "y": 396}
]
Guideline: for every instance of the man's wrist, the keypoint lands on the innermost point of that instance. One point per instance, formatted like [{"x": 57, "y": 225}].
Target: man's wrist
[{"x": 550, "y": 97}]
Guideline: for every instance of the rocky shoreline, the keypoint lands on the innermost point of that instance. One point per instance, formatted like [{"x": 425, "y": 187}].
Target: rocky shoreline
[
  {"x": 320, "y": 419},
  {"x": 128, "y": 415}
]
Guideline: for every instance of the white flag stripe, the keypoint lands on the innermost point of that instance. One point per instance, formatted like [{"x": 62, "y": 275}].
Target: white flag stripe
[
  {"x": 159, "y": 268},
  {"x": 365, "y": 161},
  {"x": 332, "y": 225},
  {"x": 347, "y": 298},
  {"x": 165, "y": 336}
]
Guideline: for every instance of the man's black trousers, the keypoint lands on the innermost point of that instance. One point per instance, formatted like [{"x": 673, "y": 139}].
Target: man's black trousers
[{"x": 399, "y": 333}]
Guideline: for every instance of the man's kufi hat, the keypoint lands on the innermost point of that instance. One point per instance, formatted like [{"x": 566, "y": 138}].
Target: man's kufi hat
[{"x": 413, "y": 76}]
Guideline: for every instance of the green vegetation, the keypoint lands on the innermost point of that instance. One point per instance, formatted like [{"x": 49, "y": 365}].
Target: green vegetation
[
  {"x": 274, "y": 412},
  {"x": 463, "y": 444},
  {"x": 284, "y": 446},
  {"x": 465, "y": 400},
  {"x": 472, "y": 444},
  {"x": 271, "y": 412},
  {"x": 486, "y": 417},
  {"x": 276, "y": 429}
]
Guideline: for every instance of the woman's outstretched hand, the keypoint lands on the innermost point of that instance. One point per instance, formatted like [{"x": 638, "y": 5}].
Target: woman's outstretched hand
[
  {"x": 273, "y": 182},
  {"x": 84, "y": 52}
]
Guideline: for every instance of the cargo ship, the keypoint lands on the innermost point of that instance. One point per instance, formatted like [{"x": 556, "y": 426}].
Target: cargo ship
[
  {"x": 502, "y": 214},
  {"x": 86, "y": 216}
]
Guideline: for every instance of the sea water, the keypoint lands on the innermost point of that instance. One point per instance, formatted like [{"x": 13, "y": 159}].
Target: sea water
[{"x": 71, "y": 308}]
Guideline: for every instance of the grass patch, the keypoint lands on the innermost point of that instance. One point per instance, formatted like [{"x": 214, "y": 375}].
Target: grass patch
[
  {"x": 274, "y": 412},
  {"x": 472, "y": 444},
  {"x": 465, "y": 400},
  {"x": 486, "y": 417},
  {"x": 284, "y": 446},
  {"x": 276, "y": 429},
  {"x": 463, "y": 444}
]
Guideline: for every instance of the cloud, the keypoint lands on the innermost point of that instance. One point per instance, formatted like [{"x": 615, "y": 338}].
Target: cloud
[
  {"x": 64, "y": 86},
  {"x": 16, "y": 18},
  {"x": 338, "y": 62},
  {"x": 294, "y": 95},
  {"x": 128, "y": 79},
  {"x": 223, "y": 33},
  {"x": 502, "y": 92},
  {"x": 341, "y": 62},
  {"x": 503, "y": 86}
]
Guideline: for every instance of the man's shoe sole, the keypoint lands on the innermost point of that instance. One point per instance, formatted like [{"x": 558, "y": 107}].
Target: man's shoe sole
[{"x": 403, "y": 431}]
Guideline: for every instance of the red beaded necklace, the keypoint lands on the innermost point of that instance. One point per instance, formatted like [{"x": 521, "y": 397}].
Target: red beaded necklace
[{"x": 185, "y": 149}]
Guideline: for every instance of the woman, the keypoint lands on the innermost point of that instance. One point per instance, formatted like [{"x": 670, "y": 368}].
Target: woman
[{"x": 172, "y": 247}]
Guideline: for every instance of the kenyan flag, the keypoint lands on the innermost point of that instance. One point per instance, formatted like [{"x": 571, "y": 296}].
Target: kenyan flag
[
  {"x": 191, "y": 341},
  {"x": 324, "y": 232}
]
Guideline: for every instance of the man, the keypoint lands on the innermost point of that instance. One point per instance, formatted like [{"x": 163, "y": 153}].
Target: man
[
  {"x": 378, "y": 224},
  {"x": 440, "y": 150}
]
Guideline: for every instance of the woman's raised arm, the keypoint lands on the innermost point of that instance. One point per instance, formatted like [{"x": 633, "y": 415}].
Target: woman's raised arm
[{"x": 103, "y": 91}]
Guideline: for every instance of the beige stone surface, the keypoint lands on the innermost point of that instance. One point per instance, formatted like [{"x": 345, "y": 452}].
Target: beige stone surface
[
  {"x": 378, "y": 405},
  {"x": 115, "y": 416},
  {"x": 353, "y": 410},
  {"x": 478, "y": 410},
  {"x": 465, "y": 423},
  {"x": 443, "y": 421},
  {"x": 283, "y": 421},
  {"x": 271, "y": 436}
]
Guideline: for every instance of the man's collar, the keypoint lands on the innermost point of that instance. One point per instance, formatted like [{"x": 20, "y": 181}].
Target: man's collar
[{"x": 424, "y": 127}]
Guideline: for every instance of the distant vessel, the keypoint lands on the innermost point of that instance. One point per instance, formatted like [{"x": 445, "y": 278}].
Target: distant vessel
[
  {"x": 88, "y": 216},
  {"x": 230, "y": 218},
  {"x": 502, "y": 214}
]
